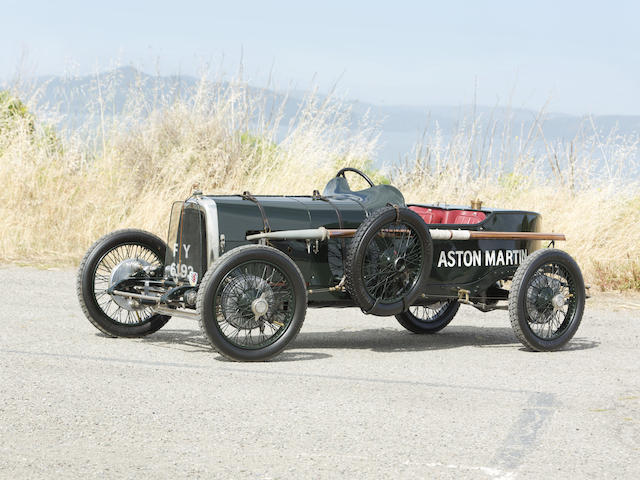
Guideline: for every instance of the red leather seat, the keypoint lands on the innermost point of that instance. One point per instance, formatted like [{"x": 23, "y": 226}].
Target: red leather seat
[
  {"x": 429, "y": 215},
  {"x": 463, "y": 217},
  {"x": 454, "y": 217}
]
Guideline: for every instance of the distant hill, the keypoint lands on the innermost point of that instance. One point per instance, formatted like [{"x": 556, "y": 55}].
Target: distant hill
[{"x": 68, "y": 101}]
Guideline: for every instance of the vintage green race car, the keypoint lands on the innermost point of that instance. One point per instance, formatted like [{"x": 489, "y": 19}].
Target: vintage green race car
[{"x": 247, "y": 267}]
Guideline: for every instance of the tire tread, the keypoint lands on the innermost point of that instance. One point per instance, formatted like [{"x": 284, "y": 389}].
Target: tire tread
[
  {"x": 514, "y": 293},
  {"x": 208, "y": 278},
  {"x": 83, "y": 263}
]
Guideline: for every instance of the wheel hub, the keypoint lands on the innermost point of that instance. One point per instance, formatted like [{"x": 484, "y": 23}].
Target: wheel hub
[
  {"x": 259, "y": 307},
  {"x": 545, "y": 298},
  {"x": 400, "y": 264},
  {"x": 127, "y": 269},
  {"x": 245, "y": 300},
  {"x": 558, "y": 301}
]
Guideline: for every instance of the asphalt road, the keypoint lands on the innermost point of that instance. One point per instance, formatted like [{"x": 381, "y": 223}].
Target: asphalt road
[{"x": 353, "y": 396}]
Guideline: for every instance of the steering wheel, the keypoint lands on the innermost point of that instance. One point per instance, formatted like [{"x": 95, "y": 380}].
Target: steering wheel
[{"x": 355, "y": 170}]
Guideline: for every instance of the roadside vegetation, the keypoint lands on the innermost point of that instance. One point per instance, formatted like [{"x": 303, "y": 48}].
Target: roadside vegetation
[
  {"x": 61, "y": 190},
  {"x": 587, "y": 187}
]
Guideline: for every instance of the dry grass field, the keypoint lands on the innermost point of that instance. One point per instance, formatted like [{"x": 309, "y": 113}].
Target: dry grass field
[{"x": 61, "y": 191}]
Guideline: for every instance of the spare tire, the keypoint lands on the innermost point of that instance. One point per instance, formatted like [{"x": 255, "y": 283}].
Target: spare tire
[{"x": 389, "y": 261}]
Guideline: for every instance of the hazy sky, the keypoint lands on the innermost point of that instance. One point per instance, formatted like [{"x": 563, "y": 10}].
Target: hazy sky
[{"x": 583, "y": 56}]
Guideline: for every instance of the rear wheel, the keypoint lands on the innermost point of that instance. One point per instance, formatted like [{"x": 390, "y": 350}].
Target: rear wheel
[
  {"x": 112, "y": 258},
  {"x": 546, "y": 300},
  {"x": 429, "y": 318},
  {"x": 252, "y": 302}
]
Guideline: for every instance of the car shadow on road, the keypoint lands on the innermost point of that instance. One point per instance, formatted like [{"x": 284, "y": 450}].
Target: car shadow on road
[
  {"x": 392, "y": 340},
  {"x": 573, "y": 345},
  {"x": 193, "y": 341},
  {"x": 187, "y": 340},
  {"x": 375, "y": 339}
]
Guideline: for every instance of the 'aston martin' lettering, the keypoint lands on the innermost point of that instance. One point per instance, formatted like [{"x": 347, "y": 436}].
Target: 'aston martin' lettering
[{"x": 479, "y": 258}]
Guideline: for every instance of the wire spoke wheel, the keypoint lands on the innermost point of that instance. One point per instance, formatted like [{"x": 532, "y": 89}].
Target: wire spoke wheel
[
  {"x": 546, "y": 301},
  {"x": 389, "y": 261},
  {"x": 429, "y": 318},
  {"x": 115, "y": 265},
  {"x": 120, "y": 255},
  {"x": 254, "y": 304},
  {"x": 429, "y": 313},
  {"x": 550, "y": 301},
  {"x": 392, "y": 263}
]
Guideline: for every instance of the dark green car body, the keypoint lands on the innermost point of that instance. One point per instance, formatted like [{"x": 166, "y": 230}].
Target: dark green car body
[
  {"x": 208, "y": 226},
  {"x": 247, "y": 267}
]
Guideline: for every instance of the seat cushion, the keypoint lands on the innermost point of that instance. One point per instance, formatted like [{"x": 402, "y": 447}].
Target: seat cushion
[
  {"x": 432, "y": 215},
  {"x": 463, "y": 217},
  {"x": 429, "y": 215}
]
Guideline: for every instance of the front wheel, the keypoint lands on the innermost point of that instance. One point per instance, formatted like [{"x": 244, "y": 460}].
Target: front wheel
[
  {"x": 114, "y": 257},
  {"x": 429, "y": 318},
  {"x": 546, "y": 300},
  {"x": 252, "y": 302}
]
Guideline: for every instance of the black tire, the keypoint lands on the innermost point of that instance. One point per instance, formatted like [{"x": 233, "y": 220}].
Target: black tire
[
  {"x": 375, "y": 262},
  {"x": 544, "y": 284},
  {"x": 96, "y": 304},
  {"x": 428, "y": 319},
  {"x": 239, "y": 271}
]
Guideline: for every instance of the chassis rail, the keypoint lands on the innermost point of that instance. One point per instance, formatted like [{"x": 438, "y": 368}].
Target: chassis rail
[{"x": 436, "y": 234}]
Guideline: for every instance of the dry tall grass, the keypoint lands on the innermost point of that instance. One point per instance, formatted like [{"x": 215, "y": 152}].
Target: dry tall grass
[
  {"x": 60, "y": 193},
  {"x": 58, "y": 197},
  {"x": 587, "y": 187}
]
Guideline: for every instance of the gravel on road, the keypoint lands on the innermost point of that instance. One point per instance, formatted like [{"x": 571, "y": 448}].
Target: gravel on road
[{"x": 353, "y": 396}]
